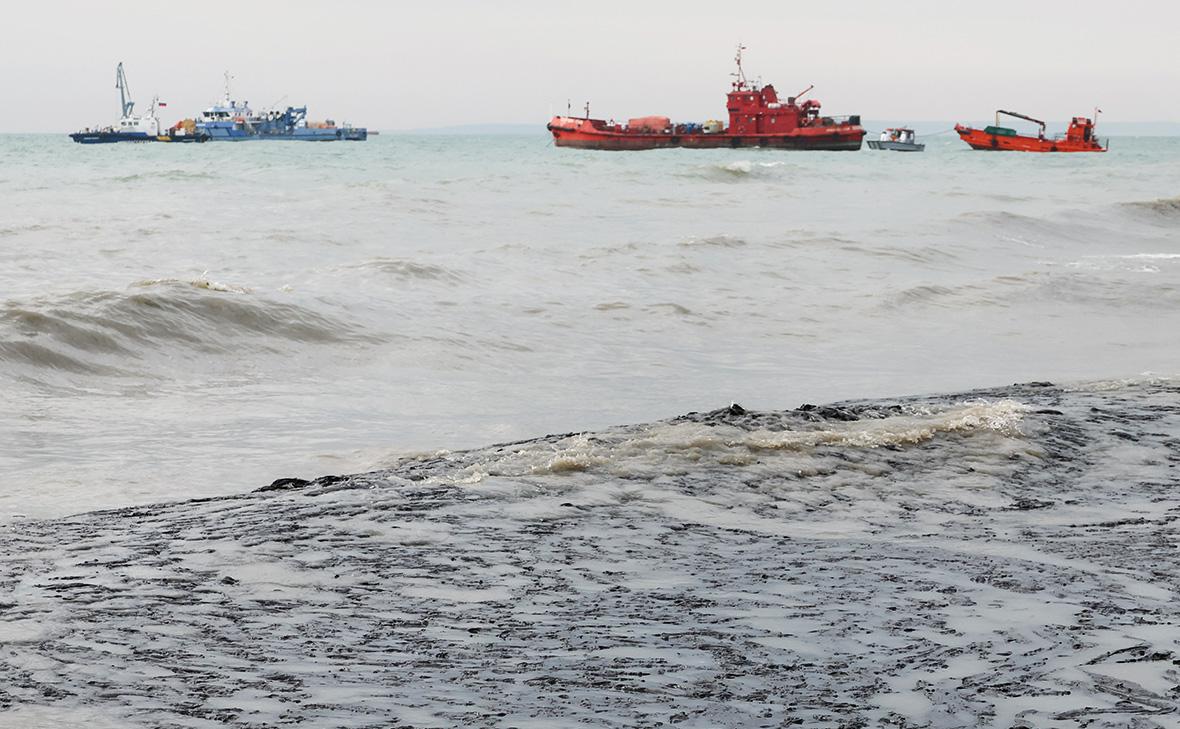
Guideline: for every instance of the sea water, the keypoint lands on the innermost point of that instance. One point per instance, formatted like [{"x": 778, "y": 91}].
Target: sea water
[
  {"x": 195, "y": 320},
  {"x": 529, "y": 359}
]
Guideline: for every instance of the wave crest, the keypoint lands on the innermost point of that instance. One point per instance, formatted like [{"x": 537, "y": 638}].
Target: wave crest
[
  {"x": 1167, "y": 208},
  {"x": 100, "y": 331},
  {"x": 797, "y": 440}
]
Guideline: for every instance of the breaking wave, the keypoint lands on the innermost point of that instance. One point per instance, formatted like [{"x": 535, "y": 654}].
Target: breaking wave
[
  {"x": 98, "y": 331},
  {"x": 737, "y": 170},
  {"x": 410, "y": 270},
  {"x": 715, "y": 241},
  {"x": 1162, "y": 208},
  {"x": 798, "y": 442},
  {"x": 166, "y": 175},
  {"x": 1068, "y": 286}
]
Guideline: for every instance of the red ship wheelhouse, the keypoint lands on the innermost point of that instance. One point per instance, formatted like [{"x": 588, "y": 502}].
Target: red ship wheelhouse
[{"x": 758, "y": 117}]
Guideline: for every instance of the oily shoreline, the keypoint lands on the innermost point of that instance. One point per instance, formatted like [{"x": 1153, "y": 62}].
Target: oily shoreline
[{"x": 1002, "y": 557}]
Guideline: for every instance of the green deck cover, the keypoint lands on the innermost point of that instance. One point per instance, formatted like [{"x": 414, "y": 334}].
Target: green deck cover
[{"x": 1001, "y": 131}]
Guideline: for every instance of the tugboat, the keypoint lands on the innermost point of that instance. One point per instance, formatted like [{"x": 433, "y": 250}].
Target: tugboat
[
  {"x": 1079, "y": 137},
  {"x": 757, "y": 118},
  {"x": 900, "y": 139},
  {"x": 131, "y": 128},
  {"x": 231, "y": 121}
]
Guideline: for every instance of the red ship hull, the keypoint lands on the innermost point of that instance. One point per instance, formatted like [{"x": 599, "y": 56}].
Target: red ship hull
[
  {"x": 586, "y": 134},
  {"x": 758, "y": 117},
  {"x": 983, "y": 140}
]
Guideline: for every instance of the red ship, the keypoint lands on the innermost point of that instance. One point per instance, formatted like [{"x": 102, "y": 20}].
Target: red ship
[
  {"x": 757, "y": 118},
  {"x": 1079, "y": 137}
]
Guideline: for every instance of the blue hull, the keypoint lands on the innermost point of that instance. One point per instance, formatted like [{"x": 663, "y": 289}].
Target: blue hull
[
  {"x": 299, "y": 135},
  {"x": 320, "y": 135},
  {"x": 110, "y": 137}
]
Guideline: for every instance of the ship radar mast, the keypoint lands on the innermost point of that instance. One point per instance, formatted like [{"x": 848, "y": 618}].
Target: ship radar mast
[
  {"x": 124, "y": 91},
  {"x": 740, "y": 75},
  {"x": 227, "y": 78}
]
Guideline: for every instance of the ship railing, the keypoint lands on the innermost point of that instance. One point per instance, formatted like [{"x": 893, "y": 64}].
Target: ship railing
[
  {"x": 827, "y": 120},
  {"x": 1061, "y": 137}
]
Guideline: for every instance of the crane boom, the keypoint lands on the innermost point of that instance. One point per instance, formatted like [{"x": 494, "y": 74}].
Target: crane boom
[
  {"x": 1018, "y": 116},
  {"x": 125, "y": 102}
]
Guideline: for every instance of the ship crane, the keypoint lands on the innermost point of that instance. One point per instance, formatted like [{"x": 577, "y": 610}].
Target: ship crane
[
  {"x": 1019, "y": 116},
  {"x": 126, "y": 104}
]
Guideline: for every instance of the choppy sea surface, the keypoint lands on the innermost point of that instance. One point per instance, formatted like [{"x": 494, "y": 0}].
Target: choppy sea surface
[
  {"x": 181, "y": 321},
  {"x": 924, "y": 546}
]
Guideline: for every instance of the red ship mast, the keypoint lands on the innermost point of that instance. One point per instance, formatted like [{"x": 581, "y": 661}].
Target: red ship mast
[{"x": 740, "y": 84}]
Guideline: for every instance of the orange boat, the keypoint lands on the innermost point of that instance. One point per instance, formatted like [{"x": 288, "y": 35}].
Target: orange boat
[
  {"x": 758, "y": 117},
  {"x": 1079, "y": 137}
]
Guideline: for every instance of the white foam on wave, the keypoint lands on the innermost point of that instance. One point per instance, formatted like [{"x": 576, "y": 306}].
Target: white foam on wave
[
  {"x": 1002, "y": 416},
  {"x": 740, "y": 166},
  {"x": 201, "y": 282},
  {"x": 746, "y": 167},
  {"x": 676, "y": 448},
  {"x": 1131, "y": 262}
]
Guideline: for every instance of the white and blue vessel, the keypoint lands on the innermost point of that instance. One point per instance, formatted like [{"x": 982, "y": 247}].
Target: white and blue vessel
[
  {"x": 231, "y": 121},
  {"x": 129, "y": 128}
]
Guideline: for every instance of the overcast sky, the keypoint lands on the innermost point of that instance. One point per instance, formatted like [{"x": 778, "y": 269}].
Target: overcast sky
[{"x": 404, "y": 65}]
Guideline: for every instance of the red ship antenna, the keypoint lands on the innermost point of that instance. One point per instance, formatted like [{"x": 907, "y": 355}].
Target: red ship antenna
[{"x": 740, "y": 75}]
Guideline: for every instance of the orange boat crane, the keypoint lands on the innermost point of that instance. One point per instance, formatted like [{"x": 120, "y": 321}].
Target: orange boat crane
[{"x": 1079, "y": 137}]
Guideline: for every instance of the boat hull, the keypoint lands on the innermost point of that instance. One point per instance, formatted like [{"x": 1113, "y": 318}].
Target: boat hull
[
  {"x": 334, "y": 135},
  {"x": 835, "y": 138},
  {"x": 309, "y": 134},
  {"x": 110, "y": 137},
  {"x": 895, "y": 146},
  {"x": 985, "y": 141}
]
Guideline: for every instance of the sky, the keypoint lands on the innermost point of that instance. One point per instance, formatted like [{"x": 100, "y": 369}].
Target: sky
[{"x": 412, "y": 65}]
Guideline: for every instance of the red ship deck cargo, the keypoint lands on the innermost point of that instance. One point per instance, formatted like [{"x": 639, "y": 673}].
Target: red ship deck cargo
[
  {"x": 757, "y": 118},
  {"x": 654, "y": 124},
  {"x": 1079, "y": 137}
]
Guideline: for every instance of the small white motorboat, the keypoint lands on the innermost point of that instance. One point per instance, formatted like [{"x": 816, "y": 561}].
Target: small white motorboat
[{"x": 901, "y": 139}]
